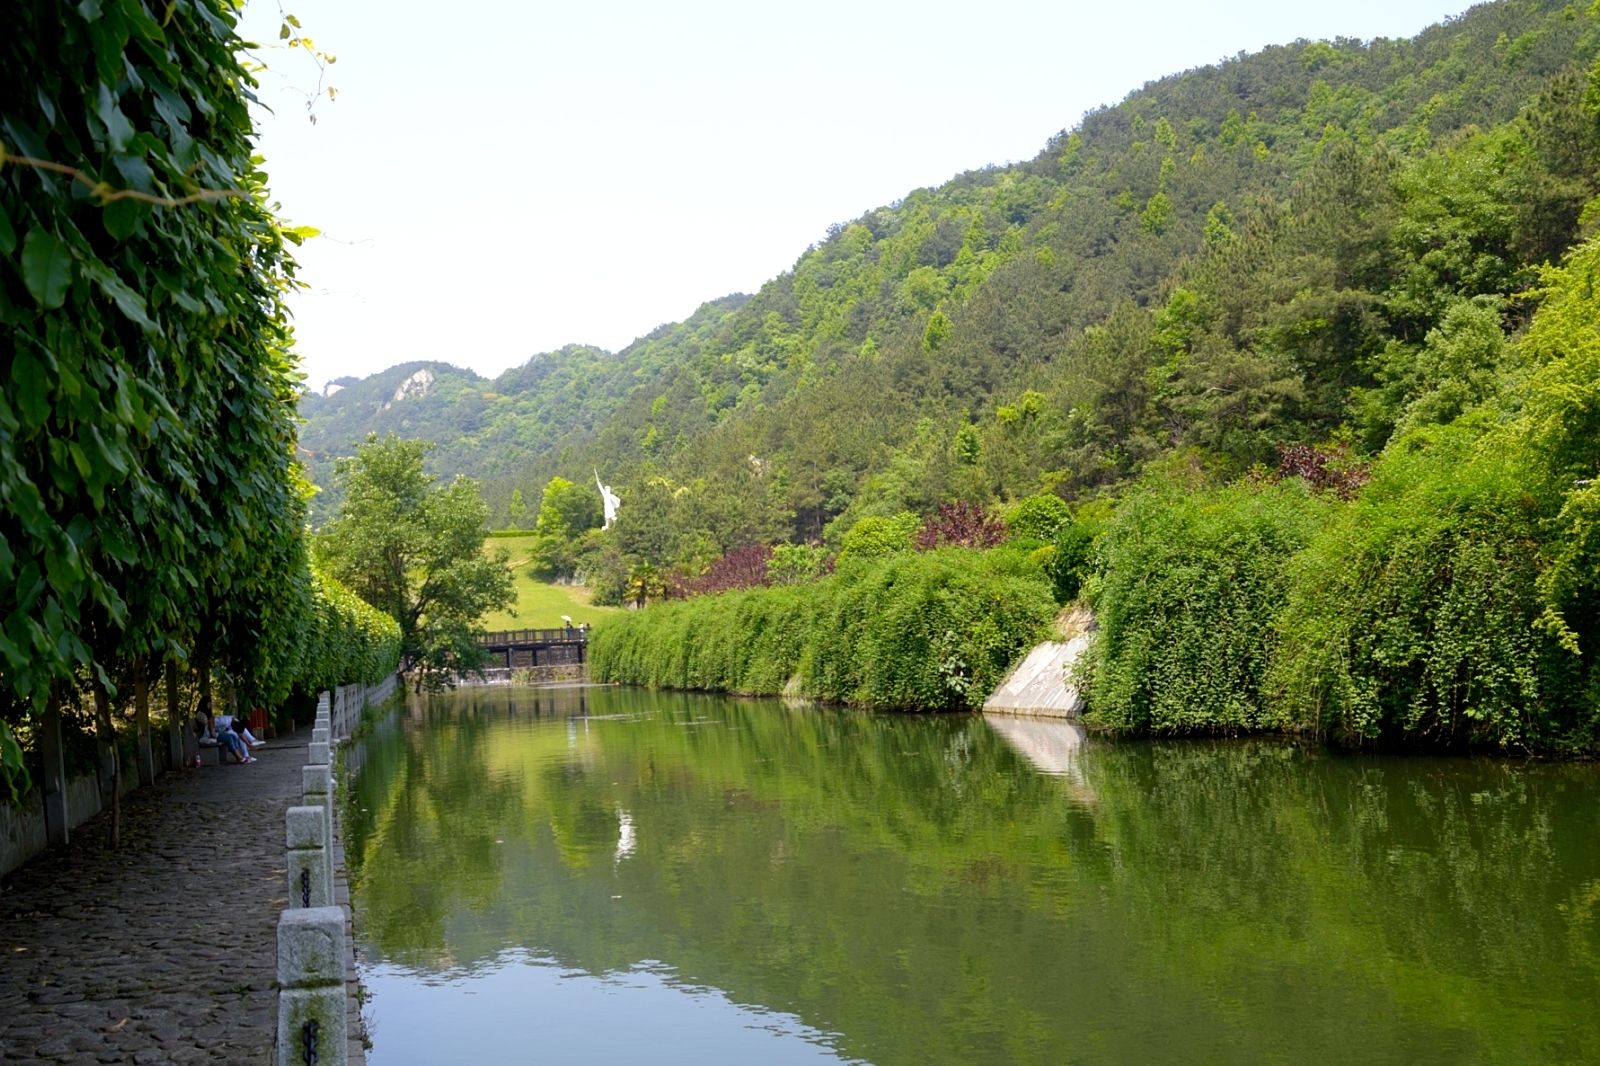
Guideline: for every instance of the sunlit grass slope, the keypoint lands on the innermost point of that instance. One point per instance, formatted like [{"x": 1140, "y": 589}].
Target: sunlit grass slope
[{"x": 538, "y": 605}]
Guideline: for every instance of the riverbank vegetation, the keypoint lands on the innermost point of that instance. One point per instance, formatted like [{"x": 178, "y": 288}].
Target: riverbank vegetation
[
  {"x": 918, "y": 631},
  {"x": 414, "y": 549},
  {"x": 1453, "y": 599}
]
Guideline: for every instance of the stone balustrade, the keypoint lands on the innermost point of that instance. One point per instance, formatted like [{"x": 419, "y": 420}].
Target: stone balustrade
[{"x": 313, "y": 1023}]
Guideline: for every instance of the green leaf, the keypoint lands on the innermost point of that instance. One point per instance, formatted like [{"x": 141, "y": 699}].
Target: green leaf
[
  {"x": 32, "y": 392},
  {"x": 128, "y": 302},
  {"x": 175, "y": 113},
  {"x": 122, "y": 217},
  {"x": 46, "y": 268},
  {"x": 135, "y": 171},
  {"x": 118, "y": 129},
  {"x": 8, "y": 236},
  {"x": 118, "y": 545}
]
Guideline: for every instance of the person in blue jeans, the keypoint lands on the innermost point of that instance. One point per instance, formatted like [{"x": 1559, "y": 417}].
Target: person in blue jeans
[
  {"x": 233, "y": 744},
  {"x": 231, "y": 740}
]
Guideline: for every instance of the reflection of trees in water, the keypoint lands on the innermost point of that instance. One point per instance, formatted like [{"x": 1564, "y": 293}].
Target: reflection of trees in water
[{"x": 913, "y": 884}]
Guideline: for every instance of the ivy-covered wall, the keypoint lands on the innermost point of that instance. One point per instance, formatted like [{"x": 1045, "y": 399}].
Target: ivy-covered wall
[{"x": 151, "y": 507}]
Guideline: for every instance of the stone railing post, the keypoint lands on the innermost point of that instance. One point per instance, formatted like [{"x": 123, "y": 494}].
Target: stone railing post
[
  {"x": 311, "y": 982},
  {"x": 316, "y": 783},
  {"x": 309, "y": 865}
]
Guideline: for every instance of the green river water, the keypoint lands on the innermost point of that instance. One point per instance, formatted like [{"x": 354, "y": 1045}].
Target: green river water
[{"x": 616, "y": 876}]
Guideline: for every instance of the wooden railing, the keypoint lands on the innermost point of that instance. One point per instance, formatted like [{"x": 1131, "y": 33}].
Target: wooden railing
[{"x": 521, "y": 637}]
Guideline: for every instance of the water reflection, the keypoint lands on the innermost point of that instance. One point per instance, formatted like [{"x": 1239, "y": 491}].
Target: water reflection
[
  {"x": 644, "y": 1014},
  {"x": 951, "y": 889},
  {"x": 1052, "y": 745}
]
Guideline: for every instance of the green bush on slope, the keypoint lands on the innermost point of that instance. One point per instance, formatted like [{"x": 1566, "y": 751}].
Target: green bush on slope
[
  {"x": 916, "y": 631},
  {"x": 1410, "y": 615},
  {"x": 1456, "y": 601},
  {"x": 1192, "y": 581}
]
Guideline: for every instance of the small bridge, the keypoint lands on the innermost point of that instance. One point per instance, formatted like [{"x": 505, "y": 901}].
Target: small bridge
[{"x": 517, "y": 648}]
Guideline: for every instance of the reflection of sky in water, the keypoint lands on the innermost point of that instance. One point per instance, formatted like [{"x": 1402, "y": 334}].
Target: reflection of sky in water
[{"x": 640, "y": 1015}]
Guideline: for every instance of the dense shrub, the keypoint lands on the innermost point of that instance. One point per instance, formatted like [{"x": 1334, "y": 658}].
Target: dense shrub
[
  {"x": 877, "y": 536},
  {"x": 1412, "y": 613},
  {"x": 742, "y": 568},
  {"x": 1192, "y": 583},
  {"x": 916, "y": 631},
  {"x": 793, "y": 564},
  {"x": 1070, "y": 558},
  {"x": 1328, "y": 467},
  {"x": 1458, "y": 600},
  {"x": 347, "y": 639},
  {"x": 960, "y": 525},
  {"x": 1037, "y": 517}
]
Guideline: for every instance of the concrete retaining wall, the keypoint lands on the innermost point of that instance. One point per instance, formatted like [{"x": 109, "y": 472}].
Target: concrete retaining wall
[
  {"x": 1042, "y": 685},
  {"x": 22, "y": 829},
  {"x": 347, "y": 703},
  {"x": 319, "y": 1014}
]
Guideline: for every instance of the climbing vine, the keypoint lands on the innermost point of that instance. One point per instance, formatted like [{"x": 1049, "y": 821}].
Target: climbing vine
[{"x": 151, "y": 508}]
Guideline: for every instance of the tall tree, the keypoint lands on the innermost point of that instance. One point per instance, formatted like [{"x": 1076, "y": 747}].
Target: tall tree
[
  {"x": 566, "y": 512},
  {"x": 413, "y": 548}
]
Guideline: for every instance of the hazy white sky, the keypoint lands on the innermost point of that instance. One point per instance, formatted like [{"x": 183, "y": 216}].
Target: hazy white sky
[{"x": 498, "y": 179}]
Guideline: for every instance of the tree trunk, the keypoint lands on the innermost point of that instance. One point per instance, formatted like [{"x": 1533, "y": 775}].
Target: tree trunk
[
  {"x": 106, "y": 738},
  {"x": 53, "y": 782},
  {"x": 177, "y": 727},
  {"x": 202, "y": 668},
  {"x": 141, "y": 723}
]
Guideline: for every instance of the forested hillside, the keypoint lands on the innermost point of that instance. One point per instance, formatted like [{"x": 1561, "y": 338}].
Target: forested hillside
[
  {"x": 1232, "y": 258},
  {"x": 497, "y": 428}
]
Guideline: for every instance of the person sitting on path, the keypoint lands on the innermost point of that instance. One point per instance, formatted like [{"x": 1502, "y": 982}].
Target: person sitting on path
[
  {"x": 249, "y": 738},
  {"x": 230, "y": 739}
]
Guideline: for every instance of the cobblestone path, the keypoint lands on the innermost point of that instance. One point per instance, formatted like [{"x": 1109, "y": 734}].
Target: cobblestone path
[{"x": 127, "y": 956}]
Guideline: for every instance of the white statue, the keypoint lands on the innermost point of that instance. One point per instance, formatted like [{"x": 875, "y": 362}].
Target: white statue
[{"x": 609, "y": 499}]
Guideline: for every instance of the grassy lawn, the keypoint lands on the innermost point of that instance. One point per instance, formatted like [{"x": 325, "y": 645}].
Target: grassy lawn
[{"x": 539, "y": 605}]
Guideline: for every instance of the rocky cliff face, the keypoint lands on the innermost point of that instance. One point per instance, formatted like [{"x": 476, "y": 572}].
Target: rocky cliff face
[{"x": 417, "y": 385}]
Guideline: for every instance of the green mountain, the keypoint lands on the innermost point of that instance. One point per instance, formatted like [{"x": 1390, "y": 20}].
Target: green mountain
[
  {"x": 497, "y": 428},
  {"x": 1232, "y": 259}
]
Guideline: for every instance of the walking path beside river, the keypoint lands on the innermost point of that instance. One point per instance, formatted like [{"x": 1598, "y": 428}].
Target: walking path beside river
[{"x": 163, "y": 951}]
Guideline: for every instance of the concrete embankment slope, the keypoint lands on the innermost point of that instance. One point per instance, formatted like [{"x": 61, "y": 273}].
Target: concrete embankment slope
[{"x": 1042, "y": 685}]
